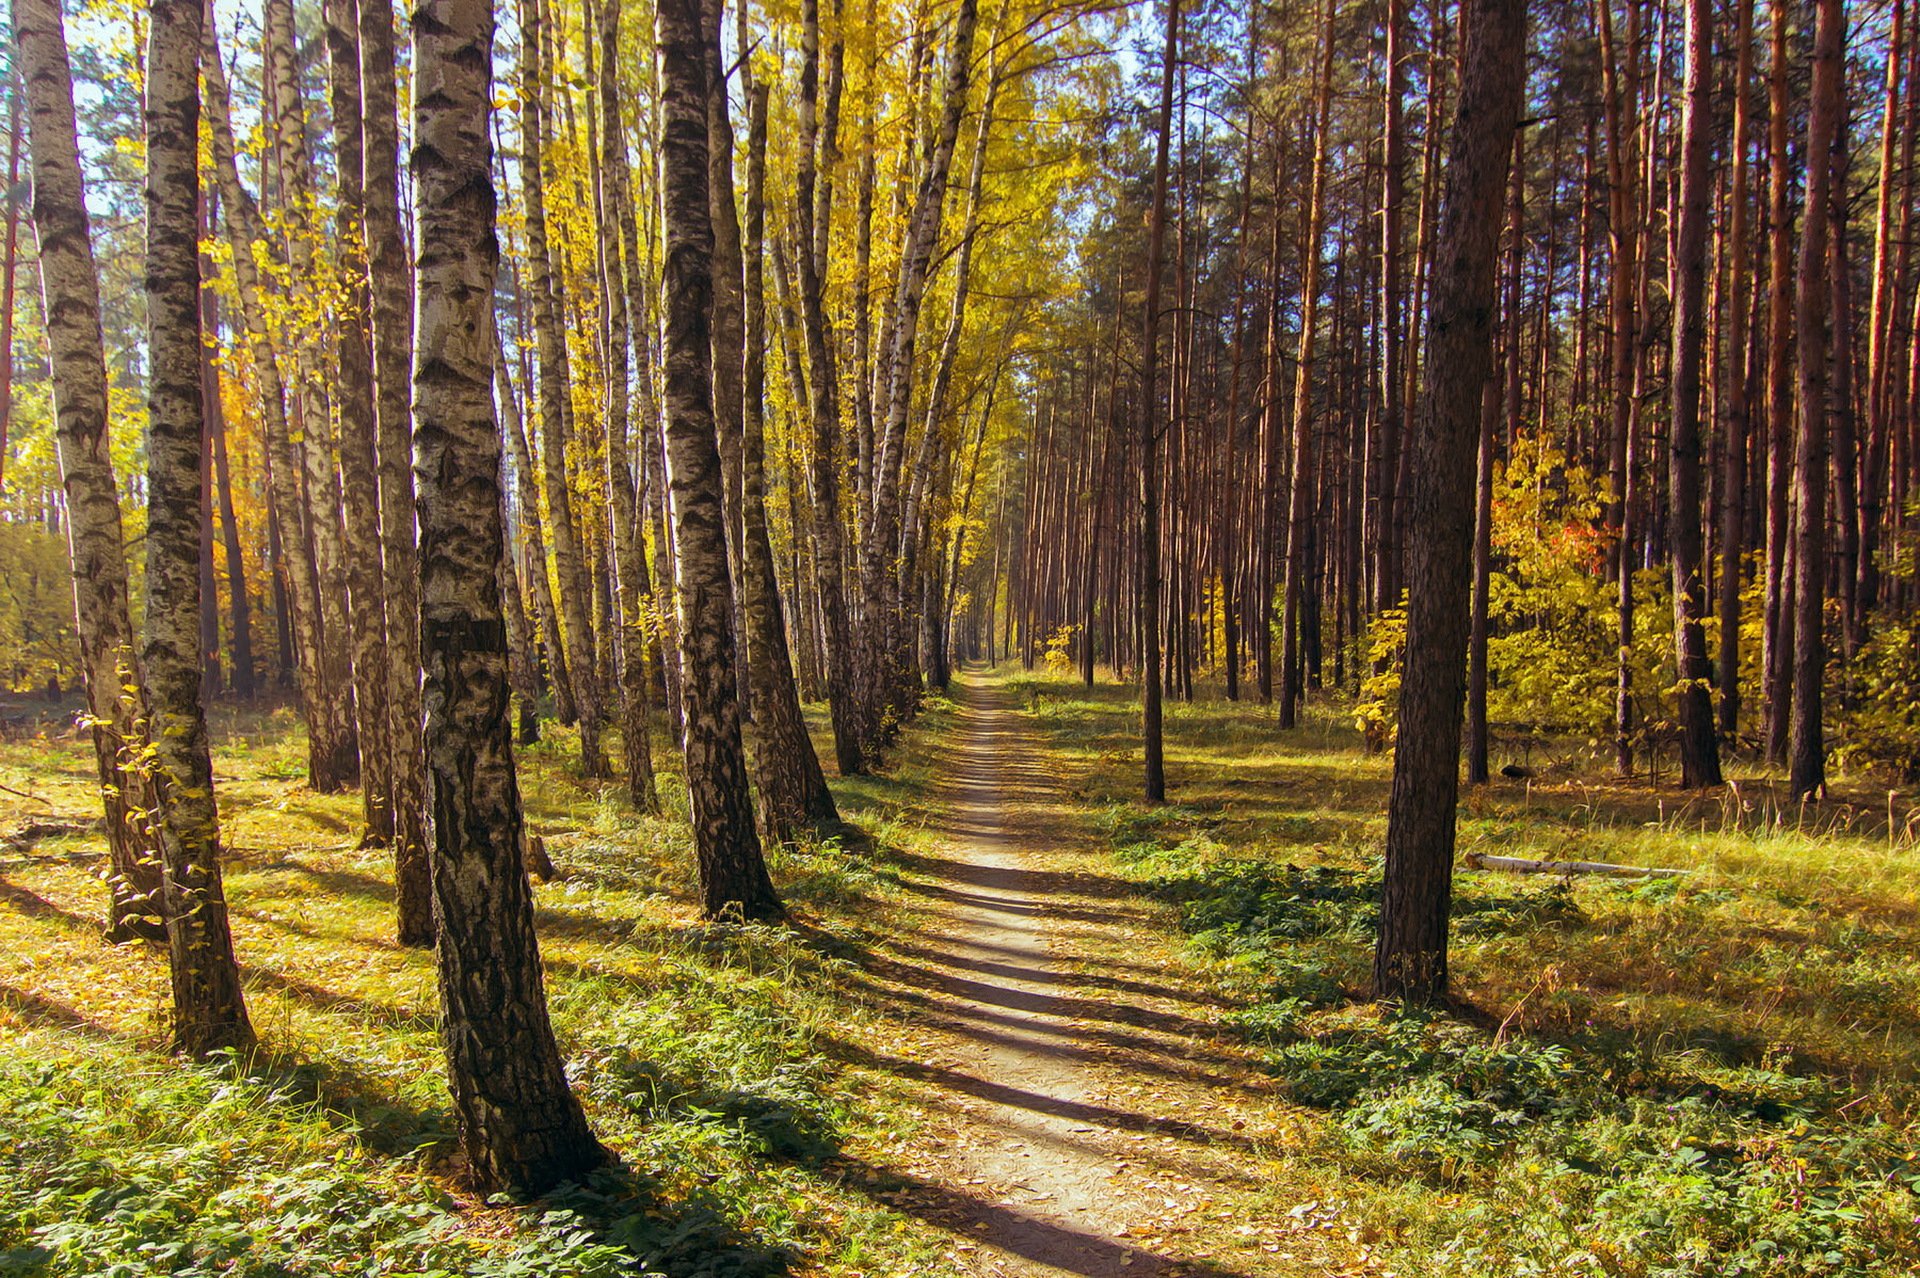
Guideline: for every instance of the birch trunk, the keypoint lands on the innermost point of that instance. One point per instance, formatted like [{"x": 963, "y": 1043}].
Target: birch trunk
[
  {"x": 392, "y": 315},
  {"x": 520, "y": 1127},
  {"x": 96, "y": 539},
  {"x": 209, "y": 1009},
  {"x": 733, "y": 875}
]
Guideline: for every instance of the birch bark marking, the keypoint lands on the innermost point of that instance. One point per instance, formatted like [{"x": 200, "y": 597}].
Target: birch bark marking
[
  {"x": 521, "y": 1128},
  {"x": 70, "y": 292},
  {"x": 209, "y": 1010},
  {"x": 353, "y": 396},
  {"x": 392, "y": 317},
  {"x": 733, "y": 875}
]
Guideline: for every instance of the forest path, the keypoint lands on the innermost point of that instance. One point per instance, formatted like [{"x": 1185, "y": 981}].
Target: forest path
[{"x": 1085, "y": 1114}]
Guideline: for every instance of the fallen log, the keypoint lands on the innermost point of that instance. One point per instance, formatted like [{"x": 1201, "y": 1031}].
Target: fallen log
[{"x": 1524, "y": 865}]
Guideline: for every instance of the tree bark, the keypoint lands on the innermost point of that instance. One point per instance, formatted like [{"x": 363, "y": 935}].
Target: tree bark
[
  {"x": 209, "y": 1009},
  {"x": 1739, "y": 419},
  {"x": 1300, "y": 486},
  {"x": 96, "y": 540},
  {"x": 520, "y": 1126},
  {"x": 392, "y": 315},
  {"x": 335, "y": 754},
  {"x": 793, "y": 788},
  {"x": 555, "y": 384},
  {"x": 353, "y": 397},
  {"x": 882, "y": 683},
  {"x": 849, "y": 741},
  {"x": 733, "y": 875},
  {"x": 1777, "y": 659},
  {"x": 1699, "y": 748},
  {"x": 1807, "y": 765},
  {"x": 629, "y": 565},
  {"x": 247, "y": 237},
  {"x": 1410, "y": 962},
  {"x": 1147, "y": 566}
]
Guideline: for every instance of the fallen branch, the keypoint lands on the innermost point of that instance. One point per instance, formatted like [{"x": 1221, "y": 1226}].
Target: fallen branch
[
  {"x": 23, "y": 794},
  {"x": 1523, "y": 865}
]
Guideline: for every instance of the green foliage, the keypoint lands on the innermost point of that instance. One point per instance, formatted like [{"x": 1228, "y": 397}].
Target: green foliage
[
  {"x": 111, "y": 1166},
  {"x": 1583, "y": 1151},
  {"x": 36, "y": 609},
  {"x": 1880, "y": 723}
]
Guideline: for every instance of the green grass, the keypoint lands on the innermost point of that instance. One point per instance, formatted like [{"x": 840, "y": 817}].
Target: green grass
[
  {"x": 1713, "y": 1074},
  {"x": 709, "y": 1057}
]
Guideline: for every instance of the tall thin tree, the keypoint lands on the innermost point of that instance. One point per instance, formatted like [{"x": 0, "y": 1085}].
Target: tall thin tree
[
  {"x": 733, "y": 873},
  {"x": 209, "y": 1008},
  {"x": 1410, "y": 961},
  {"x": 1699, "y": 744},
  {"x": 70, "y": 291},
  {"x": 520, "y": 1126}
]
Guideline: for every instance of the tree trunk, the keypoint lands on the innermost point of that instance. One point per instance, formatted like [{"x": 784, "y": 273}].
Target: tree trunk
[
  {"x": 9, "y": 268},
  {"x": 733, "y": 875},
  {"x": 247, "y": 238},
  {"x": 555, "y": 385},
  {"x": 1151, "y": 428},
  {"x": 878, "y": 648},
  {"x": 1410, "y": 962},
  {"x": 70, "y": 288},
  {"x": 520, "y": 1127},
  {"x": 849, "y": 742},
  {"x": 1739, "y": 419},
  {"x": 1777, "y": 659},
  {"x": 353, "y": 395},
  {"x": 793, "y": 788},
  {"x": 1806, "y": 750},
  {"x": 392, "y": 300},
  {"x": 209, "y": 1009},
  {"x": 1299, "y": 491},
  {"x": 1699, "y": 749},
  {"x": 1386, "y": 583},
  {"x": 622, "y": 498},
  {"x": 532, "y": 527},
  {"x": 334, "y": 751},
  {"x": 1888, "y": 260},
  {"x": 239, "y": 610}
]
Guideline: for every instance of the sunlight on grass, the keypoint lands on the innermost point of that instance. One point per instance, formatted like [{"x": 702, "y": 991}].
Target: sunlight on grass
[
  {"x": 701, "y": 1051},
  {"x": 1713, "y": 1073}
]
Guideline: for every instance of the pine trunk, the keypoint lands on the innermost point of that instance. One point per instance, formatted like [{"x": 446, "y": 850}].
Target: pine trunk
[
  {"x": 1806, "y": 750},
  {"x": 1411, "y": 960},
  {"x": 1699, "y": 748}
]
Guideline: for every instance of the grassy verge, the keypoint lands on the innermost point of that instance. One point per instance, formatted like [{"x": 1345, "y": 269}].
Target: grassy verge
[
  {"x": 703, "y": 1053},
  {"x": 1711, "y": 1074}
]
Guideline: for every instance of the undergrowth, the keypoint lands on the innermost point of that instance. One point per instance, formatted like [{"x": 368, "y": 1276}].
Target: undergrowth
[
  {"x": 704, "y": 1053},
  {"x": 1584, "y": 1148},
  {"x": 1716, "y": 1073}
]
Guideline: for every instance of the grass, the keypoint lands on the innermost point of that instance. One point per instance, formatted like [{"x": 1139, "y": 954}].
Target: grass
[
  {"x": 1714, "y": 1074},
  {"x": 703, "y": 1053}
]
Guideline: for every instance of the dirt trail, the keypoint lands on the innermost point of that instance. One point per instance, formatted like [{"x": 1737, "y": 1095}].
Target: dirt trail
[{"x": 1091, "y": 1120}]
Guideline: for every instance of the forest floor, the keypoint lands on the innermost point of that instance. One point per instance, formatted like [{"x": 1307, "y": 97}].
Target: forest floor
[{"x": 1020, "y": 1024}]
